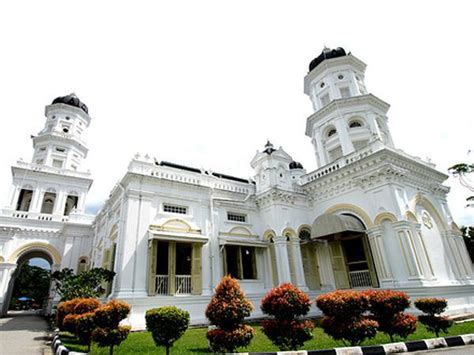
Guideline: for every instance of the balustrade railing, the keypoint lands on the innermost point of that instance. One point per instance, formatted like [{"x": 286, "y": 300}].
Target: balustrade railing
[
  {"x": 162, "y": 284},
  {"x": 183, "y": 284},
  {"x": 359, "y": 279}
]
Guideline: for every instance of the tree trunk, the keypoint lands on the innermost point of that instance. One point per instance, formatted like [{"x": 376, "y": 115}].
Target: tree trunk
[
  {"x": 167, "y": 350},
  {"x": 111, "y": 350}
]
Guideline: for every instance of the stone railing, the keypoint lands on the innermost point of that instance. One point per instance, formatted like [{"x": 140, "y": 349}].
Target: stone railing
[{"x": 50, "y": 169}]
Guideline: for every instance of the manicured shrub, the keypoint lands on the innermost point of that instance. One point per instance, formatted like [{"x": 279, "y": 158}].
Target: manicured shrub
[
  {"x": 288, "y": 334},
  {"x": 222, "y": 340},
  {"x": 65, "y": 308},
  {"x": 86, "y": 305},
  {"x": 387, "y": 308},
  {"x": 226, "y": 310},
  {"x": 433, "y": 320},
  {"x": 286, "y": 303},
  {"x": 107, "y": 318},
  {"x": 166, "y": 324},
  {"x": 79, "y": 320},
  {"x": 84, "y": 326},
  {"x": 345, "y": 316}
]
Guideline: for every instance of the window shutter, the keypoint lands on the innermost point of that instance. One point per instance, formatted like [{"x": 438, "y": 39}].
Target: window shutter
[
  {"x": 152, "y": 256},
  {"x": 196, "y": 269},
  {"x": 310, "y": 266},
  {"x": 339, "y": 265},
  {"x": 370, "y": 262}
]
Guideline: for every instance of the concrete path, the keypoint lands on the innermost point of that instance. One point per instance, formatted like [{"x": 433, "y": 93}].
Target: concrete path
[
  {"x": 461, "y": 350},
  {"x": 23, "y": 332}
]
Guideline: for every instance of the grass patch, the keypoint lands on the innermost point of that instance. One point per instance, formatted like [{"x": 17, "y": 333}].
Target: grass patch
[{"x": 194, "y": 341}]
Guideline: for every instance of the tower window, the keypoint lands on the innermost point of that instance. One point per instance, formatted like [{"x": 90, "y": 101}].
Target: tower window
[
  {"x": 71, "y": 203},
  {"x": 345, "y": 92},
  {"x": 332, "y": 132},
  {"x": 340, "y": 76},
  {"x": 355, "y": 124},
  {"x": 237, "y": 217},
  {"x": 60, "y": 149},
  {"x": 322, "y": 85},
  {"x": 24, "y": 200},
  {"x": 175, "y": 209},
  {"x": 325, "y": 99},
  {"x": 48, "y": 202},
  {"x": 57, "y": 163},
  {"x": 42, "y": 149},
  {"x": 68, "y": 118},
  {"x": 305, "y": 235}
]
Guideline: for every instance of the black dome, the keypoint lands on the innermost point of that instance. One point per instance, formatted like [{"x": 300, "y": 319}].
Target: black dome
[
  {"x": 269, "y": 148},
  {"x": 71, "y": 100},
  {"x": 295, "y": 165},
  {"x": 327, "y": 53}
]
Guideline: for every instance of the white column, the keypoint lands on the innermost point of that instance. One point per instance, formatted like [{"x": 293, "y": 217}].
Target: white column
[
  {"x": 344, "y": 138},
  {"x": 37, "y": 200},
  {"x": 374, "y": 127},
  {"x": 6, "y": 272},
  {"x": 410, "y": 255},
  {"x": 377, "y": 246},
  {"x": 320, "y": 148},
  {"x": 283, "y": 268},
  {"x": 298, "y": 263},
  {"x": 425, "y": 261}
]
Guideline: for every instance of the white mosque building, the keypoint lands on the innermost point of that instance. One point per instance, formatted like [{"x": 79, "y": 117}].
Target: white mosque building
[{"x": 370, "y": 216}]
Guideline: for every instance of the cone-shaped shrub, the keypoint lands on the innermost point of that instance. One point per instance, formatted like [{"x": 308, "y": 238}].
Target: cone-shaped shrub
[
  {"x": 387, "y": 308},
  {"x": 166, "y": 324},
  {"x": 286, "y": 303},
  {"x": 226, "y": 310},
  {"x": 433, "y": 320},
  {"x": 345, "y": 318},
  {"x": 79, "y": 320},
  {"x": 107, "y": 318}
]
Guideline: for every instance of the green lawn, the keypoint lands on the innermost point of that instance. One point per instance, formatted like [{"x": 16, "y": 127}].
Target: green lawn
[{"x": 194, "y": 341}]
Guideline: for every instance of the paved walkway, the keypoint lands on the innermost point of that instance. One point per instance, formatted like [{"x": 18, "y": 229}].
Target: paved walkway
[
  {"x": 461, "y": 350},
  {"x": 23, "y": 332}
]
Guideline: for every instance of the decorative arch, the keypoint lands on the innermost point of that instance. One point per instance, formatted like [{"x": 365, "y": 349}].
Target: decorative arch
[
  {"x": 328, "y": 131},
  {"x": 357, "y": 211},
  {"x": 51, "y": 189},
  {"x": 269, "y": 234},
  {"x": 176, "y": 225},
  {"x": 423, "y": 201},
  {"x": 304, "y": 226},
  {"x": 383, "y": 216},
  {"x": 27, "y": 187},
  {"x": 240, "y": 231},
  {"x": 410, "y": 216},
  {"x": 289, "y": 233},
  {"x": 39, "y": 246}
]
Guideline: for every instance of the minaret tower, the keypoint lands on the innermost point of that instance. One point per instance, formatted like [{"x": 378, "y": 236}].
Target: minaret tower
[
  {"x": 347, "y": 118},
  {"x": 53, "y": 183}
]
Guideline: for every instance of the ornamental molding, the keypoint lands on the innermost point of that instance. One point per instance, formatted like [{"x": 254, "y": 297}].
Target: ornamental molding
[{"x": 276, "y": 195}]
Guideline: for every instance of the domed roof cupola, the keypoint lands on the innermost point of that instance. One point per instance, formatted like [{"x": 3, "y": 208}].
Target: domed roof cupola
[
  {"x": 327, "y": 53},
  {"x": 71, "y": 100},
  {"x": 295, "y": 165},
  {"x": 269, "y": 148}
]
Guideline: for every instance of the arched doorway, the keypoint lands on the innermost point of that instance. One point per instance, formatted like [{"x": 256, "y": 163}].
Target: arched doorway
[
  {"x": 350, "y": 253},
  {"x": 29, "y": 286}
]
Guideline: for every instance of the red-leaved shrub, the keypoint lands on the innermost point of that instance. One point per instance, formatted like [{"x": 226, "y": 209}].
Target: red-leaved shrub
[
  {"x": 65, "y": 308},
  {"x": 226, "y": 310},
  {"x": 433, "y": 320},
  {"x": 387, "y": 308},
  {"x": 345, "y": 316},
  {"x": 286, "y": 303}
]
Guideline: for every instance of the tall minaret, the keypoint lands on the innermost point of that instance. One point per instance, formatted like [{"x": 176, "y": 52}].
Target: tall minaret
[
  {"x": 53, "y": 183},
  {"x": 346, "y": 117}
]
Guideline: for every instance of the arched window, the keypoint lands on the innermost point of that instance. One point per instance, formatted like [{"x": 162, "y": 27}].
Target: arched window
[
  {"x": 331, "y": 132},
  {"x": 355, "y": 124},
  {"x": 305, "y": 234},
  {"x": 82, "y": 264}
]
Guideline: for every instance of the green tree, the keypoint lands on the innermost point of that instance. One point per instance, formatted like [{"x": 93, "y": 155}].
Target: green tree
[
  {"x": 87, "y": 284},
  {"x": 33, "y": 282},
  {"x": 461, "y": 171},
  {"x": 468, "y": 236}
]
